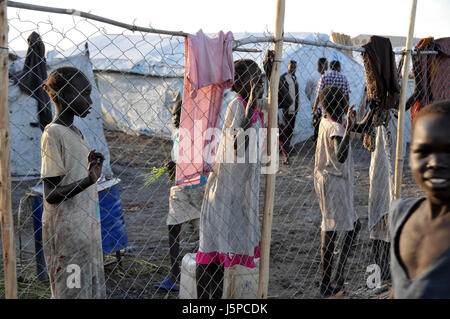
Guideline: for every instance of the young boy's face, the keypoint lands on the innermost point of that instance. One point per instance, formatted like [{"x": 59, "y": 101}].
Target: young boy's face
[
  {"x": 80, "y": 96},
  {"x": 430, "y": 156}
]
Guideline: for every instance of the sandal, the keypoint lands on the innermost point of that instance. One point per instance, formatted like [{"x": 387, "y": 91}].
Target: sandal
[{"x": 168, "y": 285}]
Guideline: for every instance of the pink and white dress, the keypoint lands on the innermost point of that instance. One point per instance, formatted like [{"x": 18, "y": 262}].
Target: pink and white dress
[{"x": 229, "y": 222}]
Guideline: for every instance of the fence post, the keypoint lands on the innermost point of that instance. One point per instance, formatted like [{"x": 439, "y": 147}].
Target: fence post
[
  {"x": 7, "y": 223},
  {"x": 270, "y": 178},
  {"x": 401, "y": 107}
]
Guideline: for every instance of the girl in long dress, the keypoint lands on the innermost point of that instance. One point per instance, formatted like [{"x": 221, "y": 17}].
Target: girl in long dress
[{"x": 229, "y": 221}]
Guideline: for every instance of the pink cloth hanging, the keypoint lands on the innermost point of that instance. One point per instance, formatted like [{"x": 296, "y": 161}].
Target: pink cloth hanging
[{"x": 209, "y": 70}]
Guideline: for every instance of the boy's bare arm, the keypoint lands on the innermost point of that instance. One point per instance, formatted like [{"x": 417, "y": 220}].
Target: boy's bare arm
[
  {"x": 361, "y": 127},
  {"x": 54, "y": 193},
  {"x": 341, "y": 145},
  {"x": 316, "y": 102}
]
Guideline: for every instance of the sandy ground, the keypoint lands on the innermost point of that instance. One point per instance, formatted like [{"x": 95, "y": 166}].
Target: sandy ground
[{"x": 295, "y": 252}]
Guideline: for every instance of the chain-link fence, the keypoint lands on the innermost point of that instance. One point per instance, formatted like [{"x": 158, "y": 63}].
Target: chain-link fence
[{"x": 149, "y": 227}]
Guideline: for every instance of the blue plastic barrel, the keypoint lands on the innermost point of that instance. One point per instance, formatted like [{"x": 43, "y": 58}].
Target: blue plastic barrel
[
  {"x": 114, "y": 235},
  {"x": 37, "y": 207}
]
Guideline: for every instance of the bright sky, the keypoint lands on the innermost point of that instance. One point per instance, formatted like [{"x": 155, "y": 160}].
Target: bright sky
[{"x": 352, "y": 17}]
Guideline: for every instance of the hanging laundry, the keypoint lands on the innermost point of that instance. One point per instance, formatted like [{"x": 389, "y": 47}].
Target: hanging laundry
[
  {"x": 383, "y": 92},
  {"x": 34, "y": 73},
  {"x": 381, "y": 73},
  {"x": 209, "y": 70},
  {"x": 382, "y": 85},
  {"x": 430, "y": 74}
]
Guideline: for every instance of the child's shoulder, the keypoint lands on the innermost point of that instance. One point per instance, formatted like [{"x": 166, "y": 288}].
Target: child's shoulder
[
  {"x": 236, "y": 105},
  {"x": 54, "y": 127},
  {"x": 332, "y": 126},
  {"x": 51, "y": 129},
  {"x": 400, "y": 208},
  {"x": 236, "y": 101},
  {"x": 56, "y": 131}
]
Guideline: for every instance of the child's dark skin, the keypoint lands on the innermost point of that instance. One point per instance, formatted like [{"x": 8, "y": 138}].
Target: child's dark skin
[
  {"x": 426, "y": 234},
  {"x": 73, "y": 100},
  {"x": 341, "y": 144}
]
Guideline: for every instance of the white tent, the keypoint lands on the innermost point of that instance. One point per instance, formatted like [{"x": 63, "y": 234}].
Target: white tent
[
  {"x": 138, "y": 77},
  {"x": 25, "y": 139}
]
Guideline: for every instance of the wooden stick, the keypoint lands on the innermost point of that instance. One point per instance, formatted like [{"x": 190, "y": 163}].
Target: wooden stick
[
  {"x": 401, "y": 107},
  {"x": 270, "y": 178},
  {"x": 7, "y": 223}
]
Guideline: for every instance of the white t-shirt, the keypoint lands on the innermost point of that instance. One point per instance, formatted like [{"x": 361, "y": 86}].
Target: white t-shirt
[
  {"x": 333, "y": 180},
  {"x": 326, "y": 162}
]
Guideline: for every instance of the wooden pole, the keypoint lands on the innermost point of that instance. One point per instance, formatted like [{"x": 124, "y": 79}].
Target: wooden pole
[
  {"x": 7, "y": 223},
  {"x": 401, "y": 108},
  {"x": 270, "y": 178}
]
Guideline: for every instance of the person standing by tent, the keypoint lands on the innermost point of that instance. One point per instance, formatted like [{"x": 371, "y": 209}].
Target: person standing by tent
[
  {"x": 332, "y": 78},
  {"x": 290, "y": 113},
  {"x": 71, "y": 218},
  {"x": 32, "y": 76},
  {"x": 310, "y": 89},
  {"x": 229, "y": 220}
]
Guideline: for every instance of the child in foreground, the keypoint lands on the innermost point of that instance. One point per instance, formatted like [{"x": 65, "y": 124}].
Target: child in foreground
[
  {"x": 333, "y": 181},
  {"x": 71, "y": 217},
  {"x": 420, "y": 227}
]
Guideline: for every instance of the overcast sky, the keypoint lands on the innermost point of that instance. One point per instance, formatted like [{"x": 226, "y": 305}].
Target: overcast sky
[{"x": 352, "y": 17}]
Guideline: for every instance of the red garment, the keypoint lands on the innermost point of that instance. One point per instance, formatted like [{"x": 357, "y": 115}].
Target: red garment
[
  {"x": 228, "y": 260},
  {"x": 209, "y": 70}
]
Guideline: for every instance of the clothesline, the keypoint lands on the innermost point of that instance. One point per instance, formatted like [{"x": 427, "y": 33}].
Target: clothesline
[{"x": 236, "y": 44}]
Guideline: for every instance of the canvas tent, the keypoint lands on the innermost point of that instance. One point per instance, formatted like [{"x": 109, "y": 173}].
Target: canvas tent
[{"x": 25, "y": 139}]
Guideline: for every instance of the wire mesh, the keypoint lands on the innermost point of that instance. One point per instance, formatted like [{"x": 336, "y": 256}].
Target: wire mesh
[{"x": 136, "y": 80}]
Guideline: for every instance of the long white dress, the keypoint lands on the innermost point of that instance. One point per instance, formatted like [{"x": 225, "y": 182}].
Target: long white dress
[
  {"x": 229, "y": 222},
  {"x": 381, "y": 177}
]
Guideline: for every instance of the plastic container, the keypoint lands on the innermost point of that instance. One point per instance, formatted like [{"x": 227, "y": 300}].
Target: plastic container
[
  {"x": 114, "y": 235},
  {"x": 239, "y": 282}
]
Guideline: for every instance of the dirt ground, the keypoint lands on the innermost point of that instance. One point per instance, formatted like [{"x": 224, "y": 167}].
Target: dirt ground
[{"x": 295, "y": 247}]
